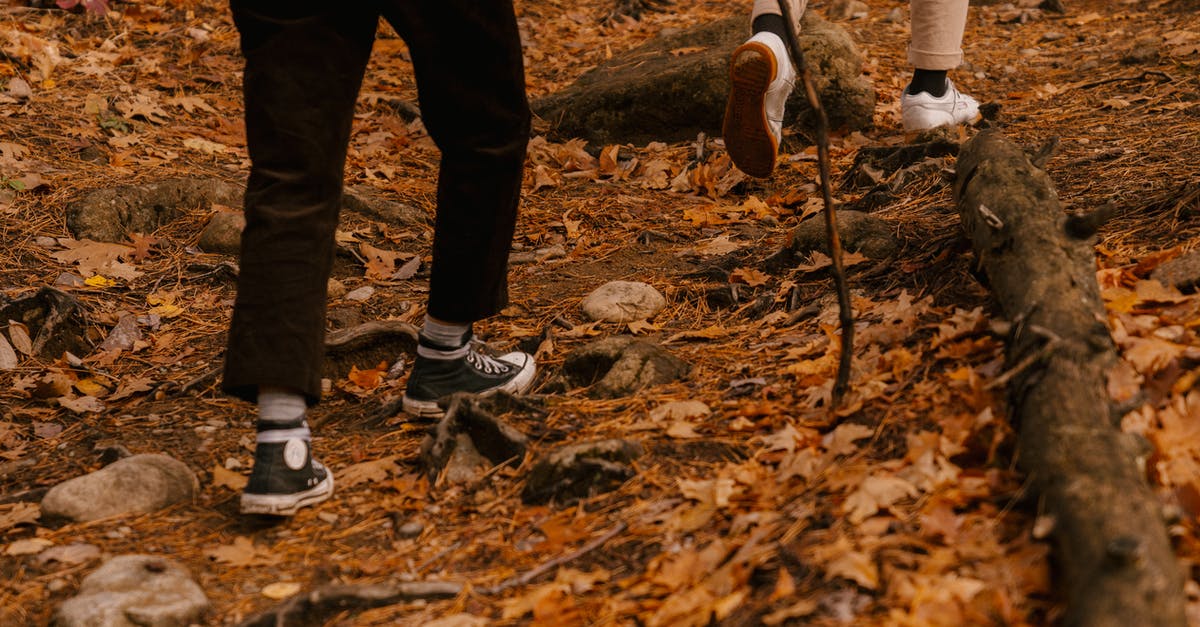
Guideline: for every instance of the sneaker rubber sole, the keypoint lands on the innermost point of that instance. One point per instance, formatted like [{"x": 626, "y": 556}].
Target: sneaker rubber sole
[
  {"x": 515, "y": 385},
  {"x": 748, "y": 138},
  {"x": 287, "y": 504}
]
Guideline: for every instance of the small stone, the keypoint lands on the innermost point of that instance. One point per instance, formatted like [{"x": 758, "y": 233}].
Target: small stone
[
  {"x": 895, "y": 16},
  {"x": 361, "y": 294},
  {"x": 623, "y": 301},
  {"x": 69, "y": 279},
  {"x": 223, "y": 235},
  {"x": 328, "y": 517},
  {"x": 69, "y": 554},
  {"x": 138, "y": 484},
  {"x": 569, "y": 473},
  {"x": 19, "y": 89},
  {"x": 56, "y": 585},
  {"x": 410, "y": 529},
  {"x": 335, "y": 288},
  {"x": 46, "y": 242},
  {"x": 135, "y": 590},
  {"x": 1052, "y": 36}
]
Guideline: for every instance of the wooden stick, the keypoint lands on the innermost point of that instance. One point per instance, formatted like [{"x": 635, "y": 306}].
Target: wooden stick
[
  {"x": 845, "y": 315},
  {"x": 550, "y": 565}
]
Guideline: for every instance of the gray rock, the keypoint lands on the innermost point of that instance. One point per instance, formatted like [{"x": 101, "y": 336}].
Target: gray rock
[
  {"x": 576, "y": 471},
  {"x": 652, "y": 94},
  {"x": 620, "y": 366},
  {"x": 223, "y": 235},
  {"x": 1182, "y": 272},
  {"x": 135, "y": 591},
  {"x": 360, "y": 294},
  {"x": 860, "y": 232},
  {"x": 113, "y": 214},
  {"x": 623, "y": 301},
  {"x": 138, "y": 484},
  {"x": 468, "y": 441}
]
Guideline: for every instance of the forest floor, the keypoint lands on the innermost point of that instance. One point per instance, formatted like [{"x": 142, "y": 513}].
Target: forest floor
[{"x": 902, "y": 508}]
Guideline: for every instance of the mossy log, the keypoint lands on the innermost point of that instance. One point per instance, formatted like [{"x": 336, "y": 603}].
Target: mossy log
[{"x": 1116, "y": 564}]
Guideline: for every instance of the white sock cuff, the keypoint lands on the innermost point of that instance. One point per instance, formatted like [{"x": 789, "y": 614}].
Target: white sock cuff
[
  {"x": 280, "y": 406},
  {"x": 445, "y": 333}
]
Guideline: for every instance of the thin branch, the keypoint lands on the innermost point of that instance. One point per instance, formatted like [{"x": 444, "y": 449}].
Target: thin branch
[
  {"x": 549, "y": 566},
  {"x": 845, "y": 316}
]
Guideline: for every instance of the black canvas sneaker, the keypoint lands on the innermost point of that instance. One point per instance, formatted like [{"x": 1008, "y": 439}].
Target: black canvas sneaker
[
  {"x": 285, "y": 476},
  {"x": 465, "y": 370}
]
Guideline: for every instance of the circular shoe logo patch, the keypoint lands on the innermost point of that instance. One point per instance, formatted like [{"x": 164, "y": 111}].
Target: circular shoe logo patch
[{"x": 295, "y": 453}]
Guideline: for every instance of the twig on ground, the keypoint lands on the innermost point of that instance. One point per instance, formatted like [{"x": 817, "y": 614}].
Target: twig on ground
[
  {"x": 549, "y": 566},
  {"x": 845, "y": 316}
]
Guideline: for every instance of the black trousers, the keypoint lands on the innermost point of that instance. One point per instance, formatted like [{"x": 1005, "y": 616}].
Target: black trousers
[{"x": 304, "y": 65}]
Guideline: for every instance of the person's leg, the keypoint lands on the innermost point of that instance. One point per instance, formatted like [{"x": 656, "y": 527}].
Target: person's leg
[
  {"x": 471, "y": 83},
  {"x": 931, "y": 99},
  {"x": 761, "y": 79},
  {"x": 304, "y": 64}
]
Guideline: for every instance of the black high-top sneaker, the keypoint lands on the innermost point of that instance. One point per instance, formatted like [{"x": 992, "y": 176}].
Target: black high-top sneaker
[
  {"x": 440, "y": 371},
  {"x": 285, "y": 476}
]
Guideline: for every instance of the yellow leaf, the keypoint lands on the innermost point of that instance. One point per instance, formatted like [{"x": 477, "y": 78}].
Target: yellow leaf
[
  {"x": 97, "y": 280},
  {"x": 91, "y": 387}
]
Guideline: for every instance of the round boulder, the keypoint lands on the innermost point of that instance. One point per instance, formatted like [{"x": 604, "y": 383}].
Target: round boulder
[
  {"x": 623, "y": 301},
  {"x": 135, "y": 591},
  {"x": 138, "y": 484}
]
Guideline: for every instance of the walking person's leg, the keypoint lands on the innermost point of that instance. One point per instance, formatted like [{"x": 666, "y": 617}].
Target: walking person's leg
[
  {"x": 931, "y": 99},
  {"x": 471, "y": 82},
  {"x": 304, "y": 66},
  {"x": 761, "y": 79}
]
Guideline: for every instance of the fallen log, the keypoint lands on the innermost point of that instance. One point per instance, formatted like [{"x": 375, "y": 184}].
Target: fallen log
[{"x": 1116, "y": 562}]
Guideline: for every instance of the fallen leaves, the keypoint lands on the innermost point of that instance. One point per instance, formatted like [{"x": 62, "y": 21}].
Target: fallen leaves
[
  {"x": 242, "y": 553},
  {"x": 877, "y": 492},
  {"x": 98, "y": 258}
]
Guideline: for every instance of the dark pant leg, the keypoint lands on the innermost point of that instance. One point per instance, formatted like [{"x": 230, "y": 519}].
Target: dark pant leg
[
  {"x": 471, "y": 81},
  {"x": 304, "y": 65}
]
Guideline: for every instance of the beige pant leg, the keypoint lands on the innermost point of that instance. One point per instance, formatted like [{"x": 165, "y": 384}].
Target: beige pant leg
[
  {"x": 795, "y": 7},
  {"x": 937, "y": 33}
]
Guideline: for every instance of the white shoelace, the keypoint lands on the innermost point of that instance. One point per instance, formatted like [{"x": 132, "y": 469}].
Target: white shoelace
[{"x": 486, "y": 363}]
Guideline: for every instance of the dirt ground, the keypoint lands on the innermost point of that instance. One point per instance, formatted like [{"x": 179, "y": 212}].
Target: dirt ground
[{"x": 902, "y": 508}]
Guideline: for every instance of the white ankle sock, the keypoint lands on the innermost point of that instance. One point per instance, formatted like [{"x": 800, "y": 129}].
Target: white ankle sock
[
  {"x": 448, "y": 334},
  {"x": 277, "y": 405}
]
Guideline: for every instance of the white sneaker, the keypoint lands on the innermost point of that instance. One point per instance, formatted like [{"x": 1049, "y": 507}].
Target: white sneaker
[
  {"x": 761, "y": 78},
  {"x": 921, "y": 112}
]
